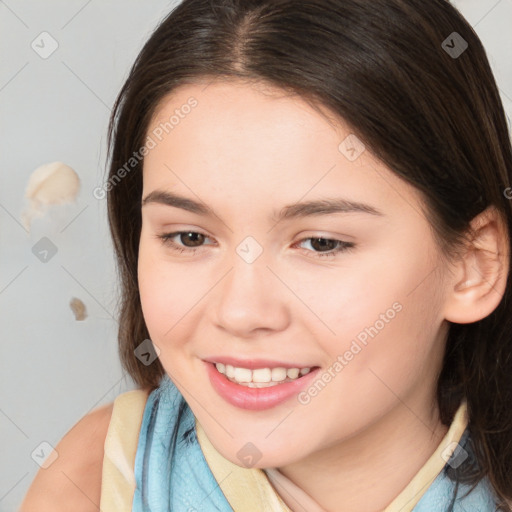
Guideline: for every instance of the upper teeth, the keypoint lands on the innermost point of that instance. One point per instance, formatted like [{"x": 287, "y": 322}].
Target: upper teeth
[{"x": 260, "y": 375}]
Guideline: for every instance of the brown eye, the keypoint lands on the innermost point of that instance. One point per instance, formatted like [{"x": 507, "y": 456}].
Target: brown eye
[
  {"x": 323, "y": 244},
  {"x": 326, "y": 247},
  {"x": 195, "y": 239},
  {"x": 184, "y": 241}
]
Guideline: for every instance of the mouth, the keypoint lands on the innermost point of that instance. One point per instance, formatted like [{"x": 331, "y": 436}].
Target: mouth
[
  {"x": 261, "y": 377},
  {"x": 258, "y": 388}
]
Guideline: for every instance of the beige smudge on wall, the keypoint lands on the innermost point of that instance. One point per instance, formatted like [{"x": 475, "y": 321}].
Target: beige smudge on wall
[
  {"x": 49, "y": 184},
  {"x": 78, "y": 308}
]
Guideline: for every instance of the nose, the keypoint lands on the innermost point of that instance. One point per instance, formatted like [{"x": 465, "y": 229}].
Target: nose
[{"x": 250, "y": 299}]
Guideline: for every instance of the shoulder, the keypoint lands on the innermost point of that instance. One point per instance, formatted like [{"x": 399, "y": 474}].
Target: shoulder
[{"x": 73, "y": 480}]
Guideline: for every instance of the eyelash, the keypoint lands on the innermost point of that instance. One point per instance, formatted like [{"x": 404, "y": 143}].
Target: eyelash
[{"x": 166, "y": 239}]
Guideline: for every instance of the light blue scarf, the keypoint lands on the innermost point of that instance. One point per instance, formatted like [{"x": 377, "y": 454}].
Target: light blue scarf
[{"x": 172, "y": 474}]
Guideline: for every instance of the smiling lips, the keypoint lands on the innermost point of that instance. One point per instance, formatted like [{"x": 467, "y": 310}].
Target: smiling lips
[
  {"x": 258, "y": 388},
  {"x": 260, "y": 377}
]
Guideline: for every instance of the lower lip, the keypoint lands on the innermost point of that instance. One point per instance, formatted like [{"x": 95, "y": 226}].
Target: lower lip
[{"x": 256, "y": 399}]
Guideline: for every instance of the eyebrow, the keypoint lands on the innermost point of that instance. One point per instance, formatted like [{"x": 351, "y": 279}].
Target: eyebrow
[{"x": 304, "y": 209}]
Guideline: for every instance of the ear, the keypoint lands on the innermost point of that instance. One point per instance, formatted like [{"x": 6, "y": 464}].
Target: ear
[{"x": 478, "y": 283}]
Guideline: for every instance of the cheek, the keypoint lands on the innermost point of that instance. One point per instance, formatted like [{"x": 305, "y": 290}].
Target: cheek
[
  {"x": 168, "y": 293},
  {"x": 158, "y": 293},
  {"x": 386, "y": 316}
]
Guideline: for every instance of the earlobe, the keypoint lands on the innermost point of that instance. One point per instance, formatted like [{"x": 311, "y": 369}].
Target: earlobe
[{"x": 480, "y": 278}]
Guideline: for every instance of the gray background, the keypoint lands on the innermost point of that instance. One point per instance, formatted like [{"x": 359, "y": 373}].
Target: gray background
[{"x": 54, "y": 369}]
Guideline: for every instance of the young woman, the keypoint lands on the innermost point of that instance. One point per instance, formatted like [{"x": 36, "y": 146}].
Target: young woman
[{"x": 309, "y": 203}]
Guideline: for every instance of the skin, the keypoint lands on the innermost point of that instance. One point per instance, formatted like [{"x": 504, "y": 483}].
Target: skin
[{"x": 247, "y": 151}]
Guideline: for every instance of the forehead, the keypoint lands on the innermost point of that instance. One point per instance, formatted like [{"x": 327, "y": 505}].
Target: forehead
[
  {"x": 233, "y": 90},
  {"x": 260, "y": 140},
  {"x": 243, "y": 108}
]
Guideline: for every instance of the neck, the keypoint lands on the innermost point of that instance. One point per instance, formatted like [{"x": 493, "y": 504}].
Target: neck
[{"x": 368, "y": 471}]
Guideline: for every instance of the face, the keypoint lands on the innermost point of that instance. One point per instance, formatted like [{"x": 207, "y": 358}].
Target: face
[{"x": 236, "y": 268}]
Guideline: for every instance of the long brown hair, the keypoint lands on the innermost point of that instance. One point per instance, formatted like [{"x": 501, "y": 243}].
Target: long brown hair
[{"x": 412, "y": 80}]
